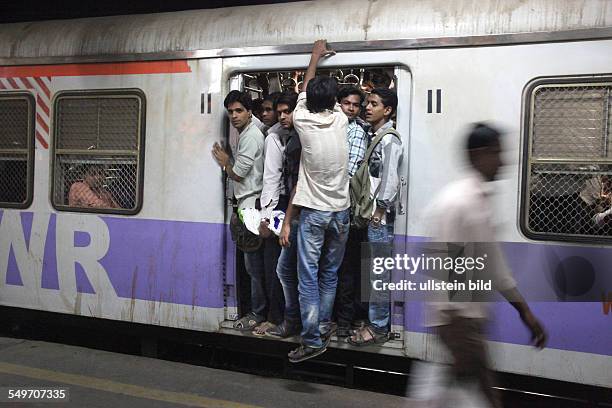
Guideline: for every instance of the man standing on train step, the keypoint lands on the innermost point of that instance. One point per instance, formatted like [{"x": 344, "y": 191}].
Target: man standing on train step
[
  {"x": 322, "y": 192},
  {"x": 247, "y": 174},
  {"x": 384, "y": 162}
]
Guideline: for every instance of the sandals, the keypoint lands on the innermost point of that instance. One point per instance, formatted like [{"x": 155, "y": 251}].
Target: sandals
[
  {"x": 263, "y": 328},
  {"x": 248, "y": 322},
  {"x": 358, "y": 339},
  {"x": 304, "y": 353}
]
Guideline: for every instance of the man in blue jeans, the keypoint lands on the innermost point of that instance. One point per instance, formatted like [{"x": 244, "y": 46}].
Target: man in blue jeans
[
  {"x": 384, "y": 166},
  {"x": 322, "y": 192},
  {"x": 286, "y": 268}
]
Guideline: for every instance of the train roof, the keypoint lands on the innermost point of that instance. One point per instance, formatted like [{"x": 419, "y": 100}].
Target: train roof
[{"x": 290, "y": 27}]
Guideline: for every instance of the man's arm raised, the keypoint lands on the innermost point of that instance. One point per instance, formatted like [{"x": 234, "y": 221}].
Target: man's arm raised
[{"x": 319, "y": 50}]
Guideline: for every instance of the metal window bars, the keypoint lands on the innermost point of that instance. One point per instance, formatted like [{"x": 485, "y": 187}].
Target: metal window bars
[
  {"x": 569, "y": 191},
  {"x": 97, "y": 151},
  {"x": 16, "y": 149}
]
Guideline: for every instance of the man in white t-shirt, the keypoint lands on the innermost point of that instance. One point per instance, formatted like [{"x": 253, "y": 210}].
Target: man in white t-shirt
[
  {"x": 322, "y": 192},
  {"x": 462, "y": 213}
]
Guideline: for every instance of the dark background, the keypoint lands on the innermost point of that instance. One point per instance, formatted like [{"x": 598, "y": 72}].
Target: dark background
[{"x": 12, "y": 11}]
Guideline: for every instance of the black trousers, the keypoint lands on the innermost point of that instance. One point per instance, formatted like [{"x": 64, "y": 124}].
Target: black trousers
[{"x": 348, "y": 305}]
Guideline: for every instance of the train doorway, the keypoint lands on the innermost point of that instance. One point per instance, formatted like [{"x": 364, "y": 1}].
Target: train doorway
[{"x": 260, "y": 83}]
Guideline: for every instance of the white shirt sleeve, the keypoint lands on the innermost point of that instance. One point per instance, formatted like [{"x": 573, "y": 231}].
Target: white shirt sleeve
[{"x": 272, "y": 174}]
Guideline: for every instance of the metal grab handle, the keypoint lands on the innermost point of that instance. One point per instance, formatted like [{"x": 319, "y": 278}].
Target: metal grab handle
[
  {"x": 402, "y": 208},
  {"x": 289, "y": 83},
  {"x": 258, "y": 90},
  {"x": 351, "y": 79}
]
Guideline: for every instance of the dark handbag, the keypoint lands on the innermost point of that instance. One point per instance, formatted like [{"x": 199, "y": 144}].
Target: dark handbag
[{"x": 245, "y": 240}]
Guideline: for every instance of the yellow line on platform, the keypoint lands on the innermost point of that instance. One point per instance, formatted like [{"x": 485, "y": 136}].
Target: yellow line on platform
[{"x": 119, "y": 388}]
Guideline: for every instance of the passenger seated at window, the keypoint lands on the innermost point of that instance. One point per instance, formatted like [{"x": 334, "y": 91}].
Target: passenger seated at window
[
  {"x": 91, "y": 191},
  {"x": 597, "y": 196}
]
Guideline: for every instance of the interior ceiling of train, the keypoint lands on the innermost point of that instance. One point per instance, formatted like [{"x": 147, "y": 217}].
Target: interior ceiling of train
[
  {"x": 261, "y": 84},
  {"x": 14, "y": 11}
]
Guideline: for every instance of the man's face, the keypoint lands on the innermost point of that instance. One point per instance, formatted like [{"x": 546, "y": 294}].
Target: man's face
[
  {"x": 238, "y": 115},
  {"x": 285, "y": 116},
  {"x": 375, "y": 110},
  {"x": 268, "y": 115},
  {"x": 351, "y": 105},
  {"x": 490, "y": 161}
]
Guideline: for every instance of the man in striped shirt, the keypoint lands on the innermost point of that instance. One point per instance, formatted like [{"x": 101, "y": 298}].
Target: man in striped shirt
[
  {"x": 350, "y": 100},
  {"x": 348, "y": 306}
]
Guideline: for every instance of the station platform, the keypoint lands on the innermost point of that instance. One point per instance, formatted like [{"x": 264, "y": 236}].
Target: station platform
[{"x": 97, "y": 378}]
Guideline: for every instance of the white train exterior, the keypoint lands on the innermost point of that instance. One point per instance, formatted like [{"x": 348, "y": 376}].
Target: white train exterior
[{"x": 171, "y": 261}]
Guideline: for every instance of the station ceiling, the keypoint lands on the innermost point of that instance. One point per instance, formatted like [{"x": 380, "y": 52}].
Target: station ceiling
[{"x": 13, "y": 11}]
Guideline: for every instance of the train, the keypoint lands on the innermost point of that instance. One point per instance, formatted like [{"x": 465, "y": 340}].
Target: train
[{"x": 142, "y": 95}]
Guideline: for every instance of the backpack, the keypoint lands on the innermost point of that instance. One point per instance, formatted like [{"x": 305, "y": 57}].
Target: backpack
[{"x": 362, "y": 202}]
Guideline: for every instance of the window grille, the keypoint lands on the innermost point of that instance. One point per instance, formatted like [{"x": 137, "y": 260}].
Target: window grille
[
  {"x": 16, "y": 149},
  {"x": 99, "y": 151},
  {"x": 569, "y": 167}
]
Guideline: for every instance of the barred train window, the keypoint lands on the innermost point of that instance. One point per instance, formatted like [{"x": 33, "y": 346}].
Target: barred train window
[
  {"x": 16, "y": 149},
  {"x": 99, "y": 151},
  {"x": 569, "y": 166}
]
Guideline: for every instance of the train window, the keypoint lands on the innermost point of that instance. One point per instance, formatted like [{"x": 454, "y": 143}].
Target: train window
[
  {"x": 98, "y": 151},
  {"x": 568, "y": 172},
  {"x": 16, "y": 149}
]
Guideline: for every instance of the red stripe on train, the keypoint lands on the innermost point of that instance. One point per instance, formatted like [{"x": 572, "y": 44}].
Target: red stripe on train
[
  {"x": 41, "y": 140},
  {"x": 120, "y": 68}
]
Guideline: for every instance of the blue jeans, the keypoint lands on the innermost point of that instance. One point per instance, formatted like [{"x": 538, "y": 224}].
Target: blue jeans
[
  {"x": 379, "y": 308},
  {"x": 286, "y": 269},
  {"x": 321, "y": 242}
]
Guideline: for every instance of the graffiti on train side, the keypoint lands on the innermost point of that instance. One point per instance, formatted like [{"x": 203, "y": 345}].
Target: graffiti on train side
[{"x": 43, "y": 250}]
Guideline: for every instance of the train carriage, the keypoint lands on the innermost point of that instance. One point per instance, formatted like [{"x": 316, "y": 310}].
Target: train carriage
[{"x": 142, "y": 97}]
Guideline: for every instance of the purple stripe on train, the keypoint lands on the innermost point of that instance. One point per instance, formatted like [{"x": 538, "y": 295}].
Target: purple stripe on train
[
  {"x": 182, "y": 263},
  {"x": 572, "y": 325},
  {"x": 166, "y": 261}
]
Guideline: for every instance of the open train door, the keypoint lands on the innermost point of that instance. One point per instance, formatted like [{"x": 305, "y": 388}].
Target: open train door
[
  {"x": 403, "y": 118},
  {"x": 285, "y": 72}
]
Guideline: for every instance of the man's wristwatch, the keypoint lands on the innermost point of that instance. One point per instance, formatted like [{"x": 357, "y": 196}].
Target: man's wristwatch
[{"x": 376, "y": 220}]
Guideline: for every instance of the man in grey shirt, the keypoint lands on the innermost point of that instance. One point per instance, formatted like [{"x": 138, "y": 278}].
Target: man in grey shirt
[{"x": 247, "y": 175}]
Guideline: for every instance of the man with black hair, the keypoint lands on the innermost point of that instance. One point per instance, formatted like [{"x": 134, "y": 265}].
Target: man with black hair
[
  {"x": 462, "y": 213},
  {"x": 322, "y": 193},
  {"x": 384, "y": 166},
  {"x": 348, "y": 301},
  {"x": 269, "y": 117},
  {"x": 247, "y": 174},
  {"x": 286, "y": 268}
]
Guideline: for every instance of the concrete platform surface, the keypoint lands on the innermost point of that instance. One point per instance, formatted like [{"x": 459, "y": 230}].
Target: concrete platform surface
[{"x": 97, "y": 378}]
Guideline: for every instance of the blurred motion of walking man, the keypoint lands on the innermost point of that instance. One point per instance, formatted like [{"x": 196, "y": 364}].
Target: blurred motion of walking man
[{"x": 463, "y": 212}]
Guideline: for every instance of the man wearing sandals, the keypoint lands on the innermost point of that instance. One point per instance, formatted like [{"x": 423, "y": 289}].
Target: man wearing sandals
[
  {"x": 247, "y": 175},
  {"x": 322, "y": 192},
  {"x": 384, "y": 178},
  {"x": 286, "y": 268}
]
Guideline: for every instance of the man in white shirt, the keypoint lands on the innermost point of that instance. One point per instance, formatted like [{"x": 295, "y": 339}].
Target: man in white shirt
[
  {"x": 322, "y": 192},
  {"x": 462, "y": 212}
]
